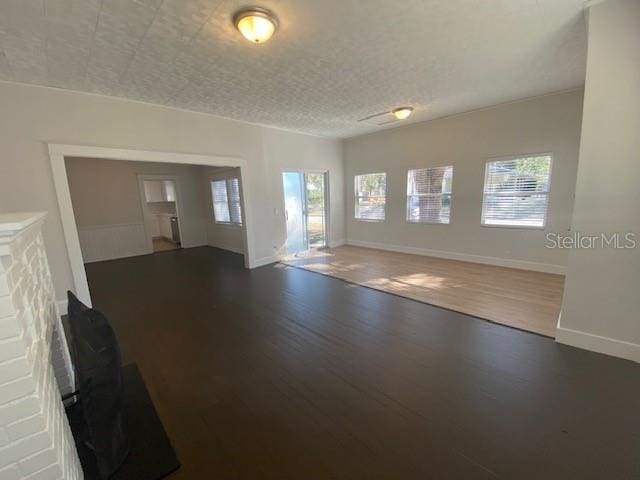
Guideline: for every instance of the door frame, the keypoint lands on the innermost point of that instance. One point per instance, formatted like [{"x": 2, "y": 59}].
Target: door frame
[
  {"x": 327, "y": 203},
  {"x": 57, "y": 154},
  {"x": 146, "y": 215}
]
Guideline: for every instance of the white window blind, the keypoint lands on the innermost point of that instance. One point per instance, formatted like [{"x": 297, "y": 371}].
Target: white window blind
[
  {"x": 226, "y": 201},
  {"x": 220, "y": 201},
  {"x": 429, "y": 195},
  {"x": 371, "y": 196},
  {"x": 233, "y": 189},
  {"x": 516, "y": 192}
]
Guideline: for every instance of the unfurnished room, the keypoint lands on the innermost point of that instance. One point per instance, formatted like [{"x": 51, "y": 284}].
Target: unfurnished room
[{"x": 338, "y": 239}]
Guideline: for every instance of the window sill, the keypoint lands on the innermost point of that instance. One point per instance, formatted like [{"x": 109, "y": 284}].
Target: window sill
[
  {"x": 409, "y": 222},
  {"x": 366, "y": 220},
  {"x": 229, "y": 224},
  {"x": 514, "y": 227}
]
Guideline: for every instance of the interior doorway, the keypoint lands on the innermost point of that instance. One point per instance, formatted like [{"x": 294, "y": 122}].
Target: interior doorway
[
  {"x": 57, "y": 154},
  {"x": 305, "y": 210},
  {"x": 160, "y": 207}
]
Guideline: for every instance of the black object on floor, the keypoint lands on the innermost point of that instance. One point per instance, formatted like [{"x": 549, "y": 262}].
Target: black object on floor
[
  {"x": 98, "y": 365},
  {"x": 151, "y": 456}
]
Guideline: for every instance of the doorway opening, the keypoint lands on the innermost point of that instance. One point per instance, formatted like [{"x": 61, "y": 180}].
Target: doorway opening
[
  {"x": 159, "y": 198},
  {"x": 305, "y": 204},
  {"x": 69, "y": 211}
]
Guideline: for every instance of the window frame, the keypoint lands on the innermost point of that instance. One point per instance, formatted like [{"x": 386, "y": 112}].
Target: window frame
[
  {"x": 356, "y": 196},
  {"x": 548, "y": 193},
  {"x": 227, "y": 179},
  {"x": 450, "y": 195}
]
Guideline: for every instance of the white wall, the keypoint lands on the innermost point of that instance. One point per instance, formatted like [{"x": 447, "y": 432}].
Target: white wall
[
  {"x": 32, "y": 116},
  {"x": 601, "y": 308},
  {"x": 466, "y": 141},
  {"x": 285, "y": 152},
  {"x": 108, "y": 209}
]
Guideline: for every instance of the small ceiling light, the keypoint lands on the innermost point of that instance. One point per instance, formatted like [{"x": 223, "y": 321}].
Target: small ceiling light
[
  {"x": 402, "y": 112},
  {"x": 256, "y": 24}
]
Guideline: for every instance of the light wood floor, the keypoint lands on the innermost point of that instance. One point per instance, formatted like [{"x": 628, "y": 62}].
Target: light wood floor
[
  {"x": 519, "y": 298},
  {"x": 163, "y": 245}
]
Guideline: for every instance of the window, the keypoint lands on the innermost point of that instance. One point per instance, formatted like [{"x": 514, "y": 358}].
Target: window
[
  {"x": 429, "y": 195},
  {"x": 226, "y": 201},
  {"x": 233, "y": 189},
  {"x": 516, "y": 192},
  {"x": 371, "y": 192}
]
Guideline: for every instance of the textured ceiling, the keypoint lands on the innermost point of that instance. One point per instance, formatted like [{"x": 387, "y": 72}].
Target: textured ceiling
[{"x": 331, "y": 63}]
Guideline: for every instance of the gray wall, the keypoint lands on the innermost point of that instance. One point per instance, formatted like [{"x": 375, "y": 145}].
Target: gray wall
[
  {"x": 602, "y": 296},
  {"x": 32, "y": 116},
  {"x": 466, "y": 141}
]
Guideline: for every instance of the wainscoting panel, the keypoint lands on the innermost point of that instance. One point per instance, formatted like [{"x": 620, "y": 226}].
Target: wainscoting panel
[{"x": 106, "y": 242}]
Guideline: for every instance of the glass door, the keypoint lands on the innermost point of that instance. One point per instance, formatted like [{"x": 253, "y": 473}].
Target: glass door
[
  {"x": 316, "y": 231},
  {"x": 294, "y": 211},
  {"x": 305, "y": 210}
]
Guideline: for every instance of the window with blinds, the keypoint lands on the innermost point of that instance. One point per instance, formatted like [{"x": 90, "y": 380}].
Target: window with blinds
[
  {"x": 429, "y": 195},
  {"x": 516, "y": 192},
  {"x": 233, "y": 190},
  {"x": 371, "y": 196},
  {"x": 226, "y": 201}
]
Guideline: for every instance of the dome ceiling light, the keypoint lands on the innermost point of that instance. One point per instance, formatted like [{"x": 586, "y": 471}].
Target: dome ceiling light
[
  {"x": 256, "y": 24},
  {"x": 401, "y": 113}
]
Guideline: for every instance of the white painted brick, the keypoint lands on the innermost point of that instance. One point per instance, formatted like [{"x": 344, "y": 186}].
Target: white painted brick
[
  {"x": 26, "y": 427},
  {"x": 54, "y": 472},
  {"x": 14, "y": 369},
  {"x": 24, "y": 448},
  {"x": 13, "y": 272},
  {"x": 22, "y": 321},
  {"x": 10, "y": 473},
  {"x": 34, "y": 431},
  {"x": 37, "y": 462},
  {"x": 16, "y": 389},
  {"x": 4, "y": 285},
  {"x": 10, "y": 349},
  {"x": 6, "y": 307},
  {"x": 9, "y": 327},
  {"x": 22, "y": 408}
]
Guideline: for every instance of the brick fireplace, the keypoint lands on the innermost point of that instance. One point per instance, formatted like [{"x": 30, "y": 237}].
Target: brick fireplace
[{"x": 35, "y": 368}]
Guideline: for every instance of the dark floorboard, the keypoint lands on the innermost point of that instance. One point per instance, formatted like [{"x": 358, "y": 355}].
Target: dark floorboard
[{"x": 280, "y": 373}]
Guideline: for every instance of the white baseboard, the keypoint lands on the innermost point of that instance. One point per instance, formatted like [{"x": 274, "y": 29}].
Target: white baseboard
[
  {"x": 260, "y": 262},
  {"x": 337, "y": 243},
  {"x": 466, "y": 257},
  {"x": 597, "y": 343}
]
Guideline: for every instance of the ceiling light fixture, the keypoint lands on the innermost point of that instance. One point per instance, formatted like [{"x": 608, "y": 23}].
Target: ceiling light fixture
[
  {"x": 402, "y": 113},
  {"x": 256, "y": 24}
]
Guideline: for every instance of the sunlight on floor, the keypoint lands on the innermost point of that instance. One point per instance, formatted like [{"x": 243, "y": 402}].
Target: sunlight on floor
[{"x": 523, "y": 299}]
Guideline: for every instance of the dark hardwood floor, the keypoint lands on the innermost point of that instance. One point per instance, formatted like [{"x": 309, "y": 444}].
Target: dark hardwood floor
[{"x": 281, "y": 373}]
